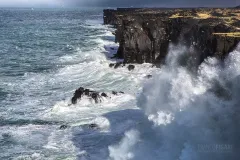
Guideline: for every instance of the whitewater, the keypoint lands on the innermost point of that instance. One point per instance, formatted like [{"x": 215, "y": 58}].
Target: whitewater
[{"x": 184, "y": 112}]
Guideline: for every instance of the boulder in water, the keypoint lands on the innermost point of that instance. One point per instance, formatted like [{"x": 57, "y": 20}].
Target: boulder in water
[
  {"x": 114, "y": 92},
  {"x": 131, "y": 67},
  {"x": 149, "y": 76},
  {"x": 96, "y": 96},
  {"x": 77, "y": 95},
  {"x": 62, "y": 127},
  {"x": 93, "y": 126},
  {"x": 104, "y": 95},
  {"x": 111, "y": 65},
  {"x": 87, "y": 92},
  {"x": 117, "y": 65}
]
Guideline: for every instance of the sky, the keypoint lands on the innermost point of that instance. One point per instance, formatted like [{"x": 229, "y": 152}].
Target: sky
[{"x": 118, "y": 3}]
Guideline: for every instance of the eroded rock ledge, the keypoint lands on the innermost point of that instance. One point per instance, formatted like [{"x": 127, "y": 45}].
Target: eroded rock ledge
[{"x": 144, "y": 35}]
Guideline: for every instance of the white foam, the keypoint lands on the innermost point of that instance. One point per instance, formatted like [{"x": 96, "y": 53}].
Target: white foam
[
  {"x": 193, "y": 114},
  {"x": 102, "y": 122},
  {"x": 123, "y": 150}
]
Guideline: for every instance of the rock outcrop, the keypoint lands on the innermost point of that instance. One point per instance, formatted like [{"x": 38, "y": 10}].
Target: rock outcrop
[
  {"x": 97, "y": 97},
  {"x": 80, "y": 92},
  {"x": 144, "y": 35}
]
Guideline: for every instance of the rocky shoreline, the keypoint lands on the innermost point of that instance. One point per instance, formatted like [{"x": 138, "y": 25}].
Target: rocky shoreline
[{"x": 144, "y": 35}]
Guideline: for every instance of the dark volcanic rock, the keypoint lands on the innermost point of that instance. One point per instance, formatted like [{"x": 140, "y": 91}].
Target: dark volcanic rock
[
  {"x": 111, "y": 65},
  {"x": 93, "y": 126},
  {"x": 87, "y": 92},
  {"x": 63, "y": 127},
  {"x": 104, "y": 95},
  {"x": 109, "y": 16},
  {"x": 77, "y": 95},
  {"x": 144, "y": 35},
  {"x": 97, "y": 97},
  {"x": 114, "y": 93},
  {"x": 149, "y": 76},
  {"x": 131, "y": 67},
  {"x": 117, "y": 65}
]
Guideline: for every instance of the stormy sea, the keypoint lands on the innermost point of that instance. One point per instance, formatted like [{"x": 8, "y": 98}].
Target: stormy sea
[{"x": 166, "y": 113}]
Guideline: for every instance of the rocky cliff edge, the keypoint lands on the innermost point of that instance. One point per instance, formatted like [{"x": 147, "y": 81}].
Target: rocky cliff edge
[{"x": 144, "y": 35}]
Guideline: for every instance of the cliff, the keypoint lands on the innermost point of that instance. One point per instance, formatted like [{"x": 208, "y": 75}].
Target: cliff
[{"x": 144, "y": 35}]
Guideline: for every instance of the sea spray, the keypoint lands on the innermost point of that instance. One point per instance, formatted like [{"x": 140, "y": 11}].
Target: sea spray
[
  {"x": 122, "y": 151},
  {"x": 194, "y": 115}
]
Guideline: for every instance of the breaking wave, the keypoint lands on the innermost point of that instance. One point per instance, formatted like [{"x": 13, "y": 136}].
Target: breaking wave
[{"x": 193, "y": 115}]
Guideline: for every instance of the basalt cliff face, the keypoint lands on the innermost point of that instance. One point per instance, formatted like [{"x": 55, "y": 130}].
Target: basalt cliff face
[{"x": 144, "y": 35}]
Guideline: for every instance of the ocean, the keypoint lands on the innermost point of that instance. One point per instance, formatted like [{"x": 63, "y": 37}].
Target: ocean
[{"x": 178, "y": 114}]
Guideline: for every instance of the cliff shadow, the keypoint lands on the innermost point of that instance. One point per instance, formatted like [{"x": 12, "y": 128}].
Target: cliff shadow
[{"x": 94, "y": 143}]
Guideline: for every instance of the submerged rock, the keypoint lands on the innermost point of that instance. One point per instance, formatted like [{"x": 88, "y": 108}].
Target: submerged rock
[
  {"x": 93, "y": 126},
  {"x": 6, "y": 136},
  {"x": 149, "y": 76}
]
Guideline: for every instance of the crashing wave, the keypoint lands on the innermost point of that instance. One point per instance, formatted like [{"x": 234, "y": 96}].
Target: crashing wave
[{"x": 194, "y": 113}]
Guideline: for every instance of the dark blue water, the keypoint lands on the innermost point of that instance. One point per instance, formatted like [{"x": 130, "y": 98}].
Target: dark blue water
[{"x": 32, "y": 40}]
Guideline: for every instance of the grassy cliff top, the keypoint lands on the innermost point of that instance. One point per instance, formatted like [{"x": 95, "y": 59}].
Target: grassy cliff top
[{"x": 229, "y": 17}]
